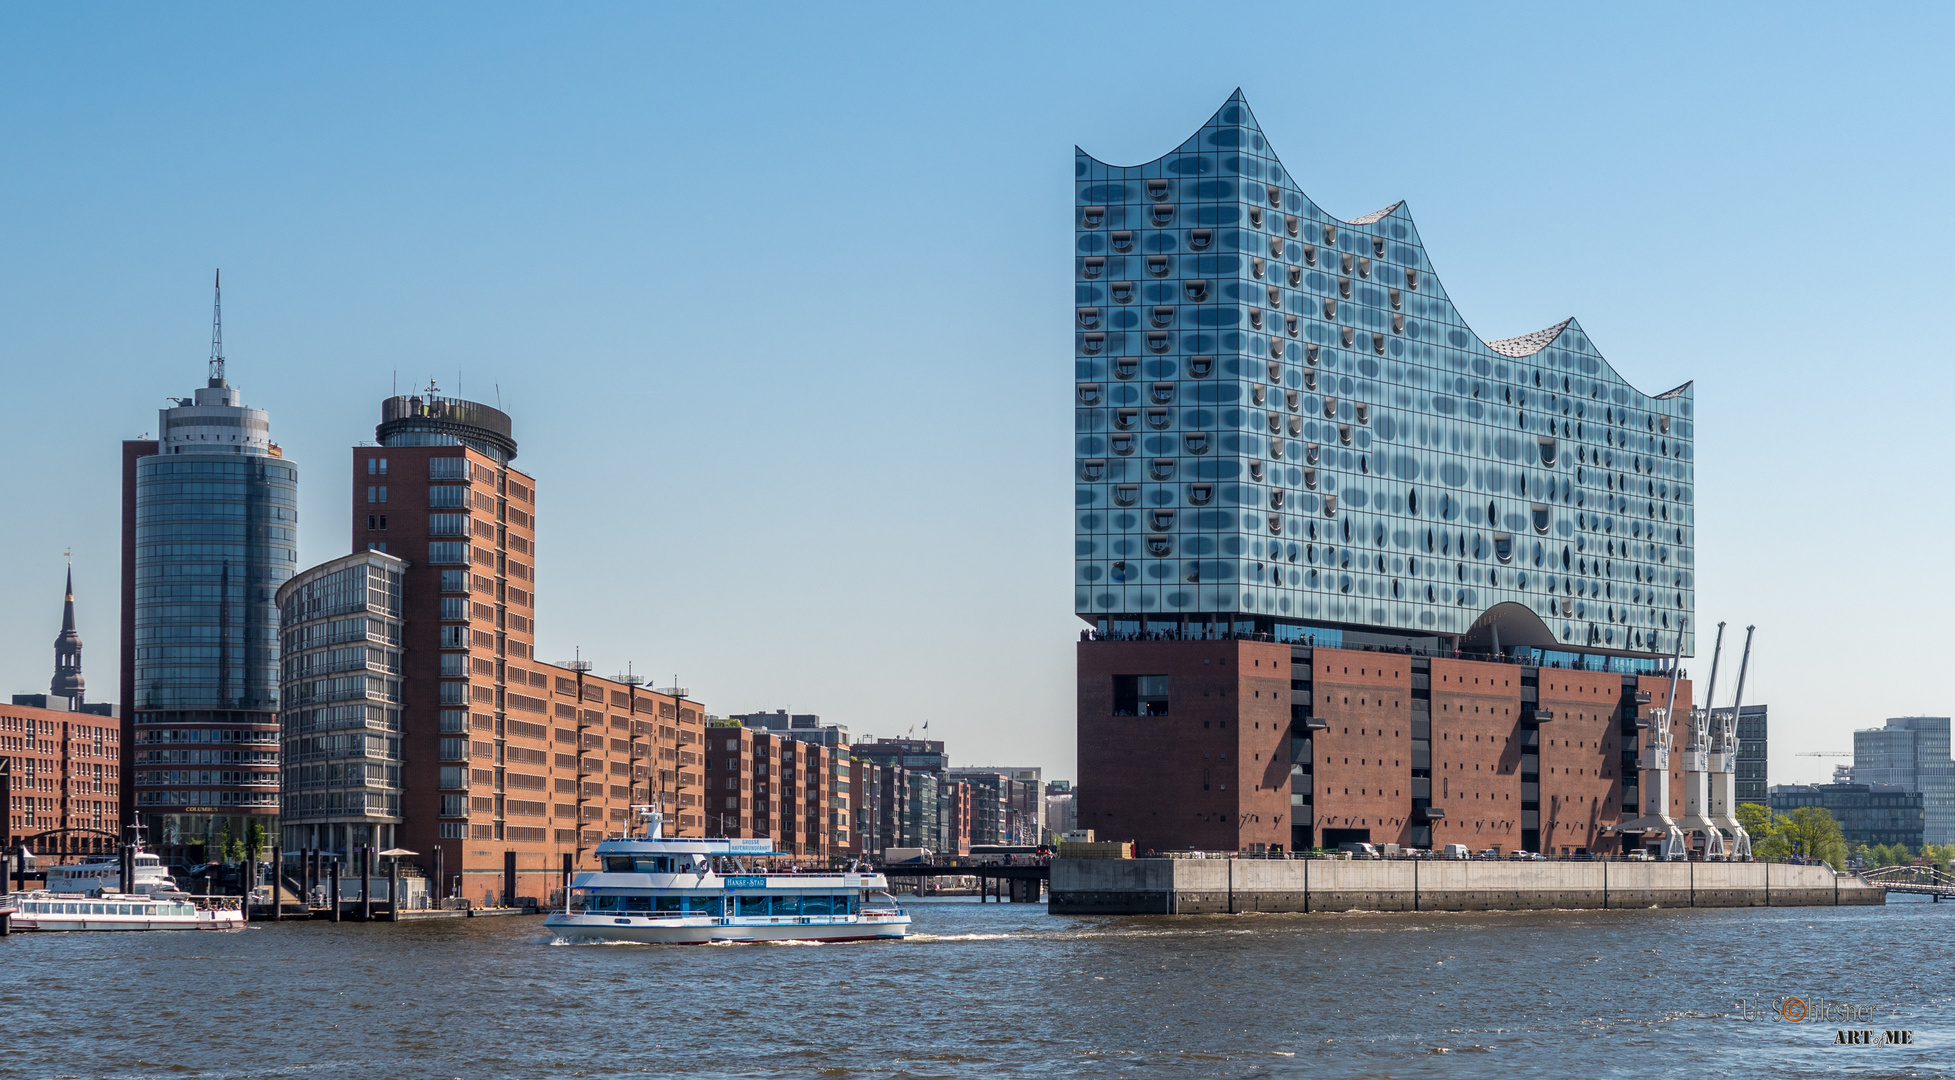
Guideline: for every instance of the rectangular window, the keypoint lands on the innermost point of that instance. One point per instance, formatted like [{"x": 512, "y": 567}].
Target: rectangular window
[
  {"x": 447, "y": 553},
  {"x": 447, "y": 468},
  {"x": 454, "y": 693},
  {"x": 454, "y": 750},
  {"x": 383, "y": 493},
  {"x": 455, "y": 776},
  {"x": 372, "y": 464},
  {"x": 454, "y": 664},
  {"x": 454, "y": 637},
  {"x": 448, "y": 496},
  {"x": 454, "y": 721},
  {"x": 454, "y": 608},
  {"x": 1140, "y": 695},
  {"x": 373, "y": 493},
  {"x": 454, "y": 581},
  {"x": 383, "y": 466},
  {"x": 447, "y": 524},
  {"x": 454, "y": 806}
]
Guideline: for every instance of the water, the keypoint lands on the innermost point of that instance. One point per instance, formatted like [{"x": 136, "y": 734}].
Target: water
[{"x": 996, "y": 990}]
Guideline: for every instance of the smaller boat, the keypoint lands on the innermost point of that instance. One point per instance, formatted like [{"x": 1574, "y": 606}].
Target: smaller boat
[
  {"x": 46, "y": 910},
  {"x": 102, "y": 873},
  {"x": 662, "y": 890}
]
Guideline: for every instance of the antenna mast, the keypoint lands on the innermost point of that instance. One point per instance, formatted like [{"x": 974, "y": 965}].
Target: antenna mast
[{"x": 217, "y": 332}]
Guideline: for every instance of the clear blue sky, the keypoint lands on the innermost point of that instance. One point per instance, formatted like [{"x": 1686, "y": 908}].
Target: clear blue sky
[{"x": 780, "y": 301}]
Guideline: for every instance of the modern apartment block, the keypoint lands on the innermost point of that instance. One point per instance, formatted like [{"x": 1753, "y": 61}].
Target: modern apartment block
[
  {"x": 210, "y": 532},
  {"x": 342, "y": 632},
  {"x": 1912, "y": 754},
  {"x": 1007, "y": 804},
  {"x": 1351, "y": 572},
  {"x": 1751, "y": 780},
  {"x": 766, "y": 783},
  {"x": 509, "y": 766}
]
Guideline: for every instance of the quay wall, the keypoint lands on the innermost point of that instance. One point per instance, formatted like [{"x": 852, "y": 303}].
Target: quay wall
[{"x": 1212, "y": 886}]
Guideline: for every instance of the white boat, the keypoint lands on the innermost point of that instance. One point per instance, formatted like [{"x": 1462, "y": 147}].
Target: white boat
[
  {"x": 43, "y": 909},
  {"x": 103, "y": 873},
  {"x": 660, "y": 890}
]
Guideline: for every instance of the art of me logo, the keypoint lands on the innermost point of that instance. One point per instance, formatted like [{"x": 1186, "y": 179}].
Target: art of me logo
[{"x": 1902, "y": 1037}]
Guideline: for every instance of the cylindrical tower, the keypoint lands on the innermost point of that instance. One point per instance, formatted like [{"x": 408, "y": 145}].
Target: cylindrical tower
[{"x": 216, "y": 535}]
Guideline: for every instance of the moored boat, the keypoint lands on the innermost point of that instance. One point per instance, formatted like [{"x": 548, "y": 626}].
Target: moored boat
[{"x": 46, "y": 910}]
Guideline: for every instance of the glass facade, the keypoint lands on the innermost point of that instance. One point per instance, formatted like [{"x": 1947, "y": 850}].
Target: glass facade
[
  {"x": 1912, "y": 754},
  {"x": 1283, "y": 423},
  {"x": 341, "y": 677},
  {"x": 216, "y": 535}
]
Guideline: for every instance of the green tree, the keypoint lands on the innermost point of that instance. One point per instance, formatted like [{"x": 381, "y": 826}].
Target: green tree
[
  {"x": 1813, "y": 833},
  {"x": 254, "y": 840},
  {"x": 1764, "y": 827}
]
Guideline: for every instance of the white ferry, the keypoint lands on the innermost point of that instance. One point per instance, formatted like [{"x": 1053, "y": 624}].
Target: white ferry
[
  {"x": 101, "y": 873},
  {"x": 45, "y": 910},
  {"x": 689, "y": 892}
]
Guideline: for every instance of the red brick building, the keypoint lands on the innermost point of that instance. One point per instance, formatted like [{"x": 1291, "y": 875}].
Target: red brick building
[
  {"x": 1250, "y": 745},
  {"x": 67, "y": 774}
]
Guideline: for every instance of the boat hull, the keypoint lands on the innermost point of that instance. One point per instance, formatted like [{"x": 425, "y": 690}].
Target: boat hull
[{"x": 704, "y": 931}]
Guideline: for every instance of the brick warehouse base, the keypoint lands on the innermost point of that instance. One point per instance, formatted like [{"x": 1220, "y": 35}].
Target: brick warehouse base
[
  {"x": 1242, "y": 745},
  {"x": 1217, "y": 886}
]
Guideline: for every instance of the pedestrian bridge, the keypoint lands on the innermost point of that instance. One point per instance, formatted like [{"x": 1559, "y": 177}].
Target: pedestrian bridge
[{"x": 1919, "y": 880}]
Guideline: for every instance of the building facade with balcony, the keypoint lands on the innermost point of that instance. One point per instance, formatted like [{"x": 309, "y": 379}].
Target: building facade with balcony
[
  {"x": 1295, "y": 461},
  {"x": 341, "y": 634}
]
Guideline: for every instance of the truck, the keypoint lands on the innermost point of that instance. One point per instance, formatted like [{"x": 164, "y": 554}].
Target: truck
[{"x": 905, "y": 856}]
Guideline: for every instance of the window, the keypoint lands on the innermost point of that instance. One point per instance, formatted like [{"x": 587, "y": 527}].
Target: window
[
  {"x": 1095, "y": 266},
  {"x": 1196, "y": 290},
  {"x": 1122, "y": 240},
  {"x": 1093, "y": 343},
  {"x": 454, "y": 581},
  {"x": 1122, "y": 292},
  {"x": 1161, "y": 393},
  {"x": 448, "y": 524},
  {"x": 1157, "y": 190},
  {"x": 1140, "y": 695},
  {"x": 1199, "y": 367},
  {"x": 452, "y": 468},
  {"x": 1255, "y": 217},
  {"x": 1089, "y": 318},
  {"x": 1158, "y": 419},
  {"x": 1196, "y": 442},
  {"x": 1121, "y": 444},
  {"x": 454, "y": 609},
  {"x": 1310, "y": 254},
  {"x": 1200, "y": 239},
  {"x": 1092, "y": 217},
  {"x": 1126, "y": 494},
  {"x": 1160, "y": 546},
  {"x": 1201, "y": 494},
  {"x": 447, "y": 553},
  {"x": 1161, "y": 469},
  {"x": 1161, "y": 317},
  {"x": 1160, "y": 520},
  {"x": 1161, "y": 215},
  {"x": 1291, "y": 224},
  {"x": 373, "y": 493},
  {"x": 1126, "y": 367},
  {"x": 1090, "y": 470},
  {"x": 1124, "y": 418},
  {"x": 1159, "y": 265}
]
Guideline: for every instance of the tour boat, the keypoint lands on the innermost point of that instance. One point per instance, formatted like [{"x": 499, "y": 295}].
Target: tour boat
[
  {"x": 43, "y": 909},
  {"x": 103, "y": 873},
  {"x": 661, "y": 890}
]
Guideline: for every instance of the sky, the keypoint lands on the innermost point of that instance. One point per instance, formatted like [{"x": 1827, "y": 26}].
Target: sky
[{"x": 780, "y": 300}]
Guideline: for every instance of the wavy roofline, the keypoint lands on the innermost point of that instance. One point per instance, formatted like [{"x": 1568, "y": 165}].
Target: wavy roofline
[{"x": 1400, "y": 207}]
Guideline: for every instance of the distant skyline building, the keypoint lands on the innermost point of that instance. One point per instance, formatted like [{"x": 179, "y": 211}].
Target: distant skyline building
[
  {"x": 210, "y": 520},
  {"x": 1867, "y": 813},
  {"x": 1912, "y": 754},
  {"x": 1751, "y": 780},
  {"x": 805, "y": 727}
]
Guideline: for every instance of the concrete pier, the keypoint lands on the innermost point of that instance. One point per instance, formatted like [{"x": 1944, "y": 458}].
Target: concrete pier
[{"x": 1211, "y": 886}]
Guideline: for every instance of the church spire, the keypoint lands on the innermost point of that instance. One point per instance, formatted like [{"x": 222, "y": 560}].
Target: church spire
[{"x": 67, "y": 650}]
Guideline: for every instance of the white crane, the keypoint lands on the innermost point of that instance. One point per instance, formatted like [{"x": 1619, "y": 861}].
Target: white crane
[
  {"x": 1653, "y": 762},
  {"x": 1724, "y": 758},
  {"x": 1697, "y": 766}
]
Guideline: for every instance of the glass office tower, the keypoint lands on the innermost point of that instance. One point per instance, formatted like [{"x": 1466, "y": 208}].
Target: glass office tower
[
  {"x": 216, "y": 534},
  {"x": 1285, "y": 427}
]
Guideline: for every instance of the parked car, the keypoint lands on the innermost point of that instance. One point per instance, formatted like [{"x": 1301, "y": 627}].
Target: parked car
[
  {"x": 1456, "y": 851},
  {"x": 1490, "y": 853},
  {"x": 1359, "y": 850},
  {"x": 1524, "y": 856}
]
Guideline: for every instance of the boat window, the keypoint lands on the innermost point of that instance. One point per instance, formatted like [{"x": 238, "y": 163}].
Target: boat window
[
  {"x": 703, "y": 905},
  {"x": 752, "y": 905},
  {"x": 784, "y": 905},
  {"x": 817, "y": 905},
  {"x": 670, "y": 905},
  {"x": 618, "y": 864},
  {"x": 605, "y": 903},
  {"x": 637, "y": 903}
]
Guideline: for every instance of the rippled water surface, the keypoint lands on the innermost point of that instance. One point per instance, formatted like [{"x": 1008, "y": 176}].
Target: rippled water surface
[{"x": 997, "y": 990}]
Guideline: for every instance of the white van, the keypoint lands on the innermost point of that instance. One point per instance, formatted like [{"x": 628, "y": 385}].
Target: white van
[
  {"x": 1359, "y": 850},
  {"x": 1457, "y": 851}
]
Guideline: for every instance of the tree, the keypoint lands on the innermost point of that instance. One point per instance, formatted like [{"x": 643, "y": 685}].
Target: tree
[
  {"x": 254, "y": 840},
  {"x": 1764, "y": 827},
  {"x": 1813, "y": 833}
]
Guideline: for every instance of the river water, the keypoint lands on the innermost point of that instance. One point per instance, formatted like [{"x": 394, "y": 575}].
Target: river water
[{"x": 1000, "y": 990}]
